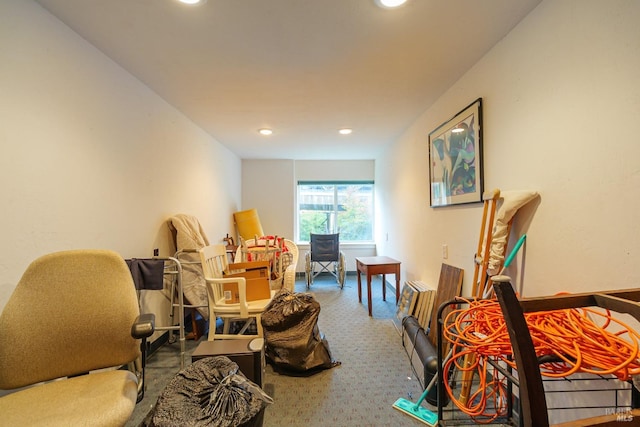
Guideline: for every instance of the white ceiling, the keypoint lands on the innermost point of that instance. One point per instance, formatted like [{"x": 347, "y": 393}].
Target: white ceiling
[{"x": 304, "y": 68}]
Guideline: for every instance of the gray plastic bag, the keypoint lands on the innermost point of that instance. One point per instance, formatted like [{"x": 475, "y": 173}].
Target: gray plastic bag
[{"x": 210, "y": 392}]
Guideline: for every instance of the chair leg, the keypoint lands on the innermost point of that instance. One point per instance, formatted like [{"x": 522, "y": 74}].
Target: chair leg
[
  {"x": 259, "y": 326},
  {"x": 138, "y": 367},
  {"x": 196, "y": 332},
  {"x": 308, "y": 270},
  {"x": 238, "y": 334}
]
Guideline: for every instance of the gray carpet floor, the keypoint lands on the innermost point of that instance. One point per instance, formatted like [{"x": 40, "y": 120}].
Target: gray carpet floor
[{"x": 374, "y": 371}]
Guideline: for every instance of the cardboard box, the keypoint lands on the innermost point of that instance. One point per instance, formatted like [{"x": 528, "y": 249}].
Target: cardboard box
[
  {"x": 256, "y": 275},
  {"x": 249, "y": 270}
]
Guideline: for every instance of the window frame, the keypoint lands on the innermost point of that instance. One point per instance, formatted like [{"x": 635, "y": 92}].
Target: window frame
[{"x": 335, "y": 184}]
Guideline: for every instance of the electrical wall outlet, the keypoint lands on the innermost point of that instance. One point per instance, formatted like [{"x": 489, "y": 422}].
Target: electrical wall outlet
[{"x": 445, "y": 251}]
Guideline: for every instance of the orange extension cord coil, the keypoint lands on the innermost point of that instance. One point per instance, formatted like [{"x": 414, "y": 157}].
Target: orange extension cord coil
[{"x": 575, "y": 340}]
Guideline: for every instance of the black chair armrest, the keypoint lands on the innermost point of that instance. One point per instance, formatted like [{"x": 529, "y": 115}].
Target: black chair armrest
[{"x": 144, "y": 326}]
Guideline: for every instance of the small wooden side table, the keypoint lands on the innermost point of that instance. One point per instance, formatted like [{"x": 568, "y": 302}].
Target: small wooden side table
[{"x": 377, "y": 265}]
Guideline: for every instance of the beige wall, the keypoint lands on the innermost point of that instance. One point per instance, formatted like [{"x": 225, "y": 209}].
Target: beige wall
[
  {"x": 270, "y": 187},
  {"x": 559, "y": 94},
  {"x": 561, "y": 100},
  {"x": 561, "y": 103},
  {"x": 90, "y": 156}
]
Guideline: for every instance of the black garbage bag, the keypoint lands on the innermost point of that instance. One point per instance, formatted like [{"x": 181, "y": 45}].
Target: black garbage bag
[
  {"x": 293, "y": 341},
  {"x": 210, "y": 392}
]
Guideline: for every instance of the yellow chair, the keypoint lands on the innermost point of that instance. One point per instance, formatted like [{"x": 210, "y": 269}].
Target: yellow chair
[
  {"x": 214, "y": 265},
  {"x": 248, "y": 224},
  {"x": 71, "y": 313}
]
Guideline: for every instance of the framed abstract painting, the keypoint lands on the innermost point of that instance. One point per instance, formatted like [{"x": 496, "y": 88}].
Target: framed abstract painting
[{"x": 455, "y": 158}]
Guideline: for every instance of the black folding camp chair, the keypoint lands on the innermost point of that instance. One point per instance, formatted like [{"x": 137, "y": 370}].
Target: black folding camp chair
[{"x": 325, "y": 251}]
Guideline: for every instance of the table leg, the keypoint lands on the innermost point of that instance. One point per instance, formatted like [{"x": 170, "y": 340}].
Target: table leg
[
  {"x": 397, "y": 286},
  {"x": 369, "y": 293},
  {"x": 384, "y": 288},
  {"x": 359, "y": 284}
]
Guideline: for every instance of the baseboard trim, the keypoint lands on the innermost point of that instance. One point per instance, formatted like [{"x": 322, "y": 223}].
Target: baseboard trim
[{"x": 301, "y": 274}]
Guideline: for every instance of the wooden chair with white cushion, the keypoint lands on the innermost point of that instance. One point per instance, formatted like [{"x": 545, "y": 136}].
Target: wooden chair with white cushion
[{"x": 214, "y": 265}]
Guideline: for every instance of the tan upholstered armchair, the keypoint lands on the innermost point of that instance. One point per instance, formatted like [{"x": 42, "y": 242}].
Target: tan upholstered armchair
[{"x": 72, "y": 313}]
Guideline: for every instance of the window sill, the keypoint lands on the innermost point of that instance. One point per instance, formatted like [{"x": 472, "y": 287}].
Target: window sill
[{"x": 346, "y": 245}]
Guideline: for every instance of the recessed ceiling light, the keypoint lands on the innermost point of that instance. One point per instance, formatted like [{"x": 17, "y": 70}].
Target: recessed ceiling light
[
  {"x": 389, "y": 4},
  {"x": 265, "y": 131},
  {"x": 191, "y": 2},
  {"x": 345, "y": 131}
]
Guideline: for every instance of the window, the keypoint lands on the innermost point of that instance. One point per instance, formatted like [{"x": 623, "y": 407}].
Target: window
[{"x": 336, "y": 207}]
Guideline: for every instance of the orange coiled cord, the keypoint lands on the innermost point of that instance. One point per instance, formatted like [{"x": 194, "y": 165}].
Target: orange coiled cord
[{"x": 577, "y": 340}]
